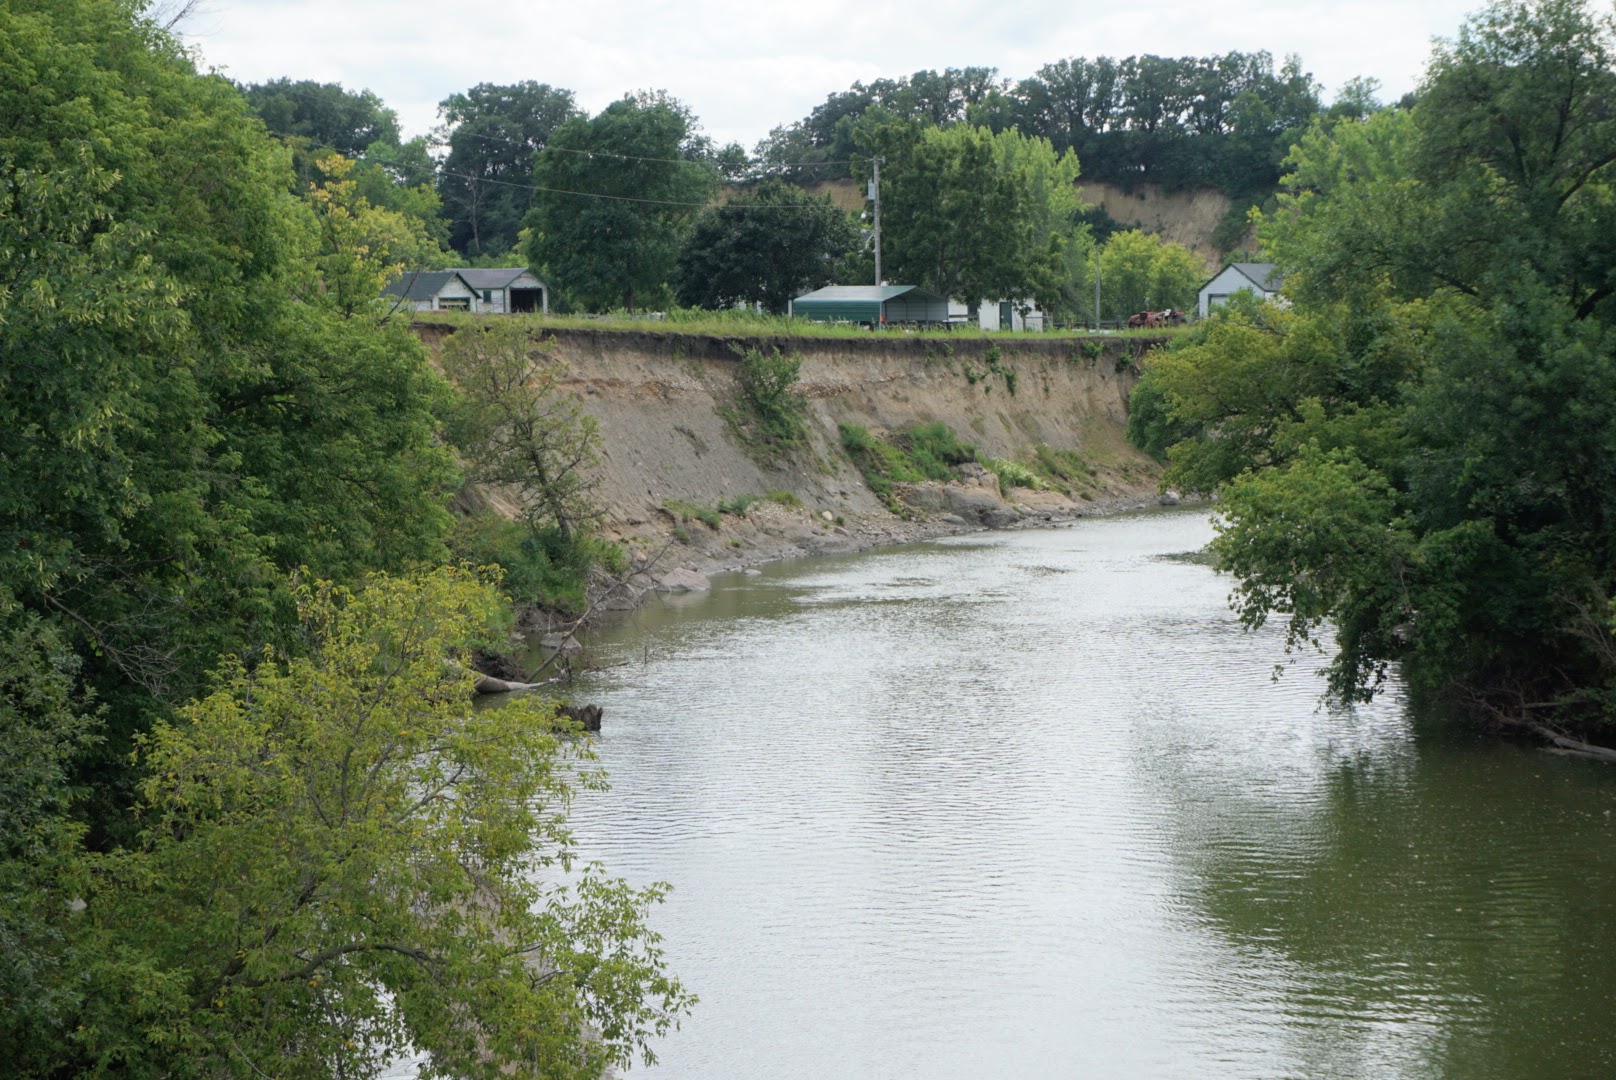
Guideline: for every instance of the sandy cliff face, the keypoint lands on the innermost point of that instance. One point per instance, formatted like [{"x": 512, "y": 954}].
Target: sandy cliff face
[{"x": 661, "y": 400}]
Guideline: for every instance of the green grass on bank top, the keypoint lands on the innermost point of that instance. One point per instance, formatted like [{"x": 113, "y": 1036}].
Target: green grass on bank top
[{"x": 751, "y": 324}]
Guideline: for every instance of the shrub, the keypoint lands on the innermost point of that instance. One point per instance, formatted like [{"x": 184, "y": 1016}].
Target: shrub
[
  {"x": 684, "y": 511},
  {"x": 1063, "y": 469},
  {"x": 545, "y": 567},
  {"x": 768, "y": 387},
  {"x": 925, "y": 452},
  {"x": 785, "y": 498},
  {"x": 1013, "y": 474}
]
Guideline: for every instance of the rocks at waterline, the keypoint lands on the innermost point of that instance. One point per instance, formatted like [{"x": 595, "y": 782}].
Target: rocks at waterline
[{"x": 682, "y": 579}]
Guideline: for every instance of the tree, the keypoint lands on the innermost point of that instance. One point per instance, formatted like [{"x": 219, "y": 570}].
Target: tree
[
  {"x": 518, "y": 431},
  {"x": 765, "y": 245},
  {"x": 342, "y": 860},
  {"x": 1140, "y": 271},
  {"x": 974, "y": 215},
  {"x": 1417, "y": 453},
  {"x": 617, "y": 193},
  {"x": 493, "y": 133},
  {"x": 189, "y": 408},
  {"x": 320, "y": 117}
]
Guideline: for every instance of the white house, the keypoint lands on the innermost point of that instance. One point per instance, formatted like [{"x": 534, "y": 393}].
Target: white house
[
  {"x": 1003, "y": 315},
  {"x": 435, "y": 290},
  {"x": 1262, "y": 279},
  {"x": 507, "y": 289}
]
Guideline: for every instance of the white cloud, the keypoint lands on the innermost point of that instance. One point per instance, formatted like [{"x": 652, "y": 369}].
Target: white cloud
[{"x": 744, "y": 67}]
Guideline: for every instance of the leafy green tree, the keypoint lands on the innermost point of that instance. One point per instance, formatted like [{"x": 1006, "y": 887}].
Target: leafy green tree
[
  {"x": 519, "y": 431},
  {"x": 1418, "y": 452},
  {"x": 188, "y": 406},
  {"x": 45, "y": 721},
  {"x": 822, "y": 145},
  {"x": 1140, "y": 271},
  {"x": 493, "y": 133},
  {"x": 765, "y": 245},
  {"x": 974, "y": 215},
  {"x": 324, "y": 115},
  {"x": 342, "y": 861},
  {"x": 362, "y": 247},
  {"x": 618, "y": 191}
]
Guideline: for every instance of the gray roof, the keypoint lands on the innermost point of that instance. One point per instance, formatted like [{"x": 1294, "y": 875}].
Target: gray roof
[
  {"x": 870, "y": 293},
  {"x": 1266, "y": 276},
  {"x": 422, "y": 284},
  {"x": 497, "y": 277}
]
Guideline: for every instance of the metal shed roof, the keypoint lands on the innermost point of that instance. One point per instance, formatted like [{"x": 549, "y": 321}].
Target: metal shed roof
[
  {"x": 869, "y": 293},
  {"x": 423, "y": 284},
  {"x": 498, "y": 277}
]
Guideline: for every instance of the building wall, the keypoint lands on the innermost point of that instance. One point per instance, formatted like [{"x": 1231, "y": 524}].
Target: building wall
[
  {"x": 1225, "y": 285},
  {"x": 454, "y": 291}
]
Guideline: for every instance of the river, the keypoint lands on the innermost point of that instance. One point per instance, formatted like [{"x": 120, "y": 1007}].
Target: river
[{"x": 1031, "y": 804}]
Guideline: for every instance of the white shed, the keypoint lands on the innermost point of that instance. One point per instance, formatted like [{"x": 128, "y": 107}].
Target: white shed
[
  {"x": 511, "y": 289},
  {"x": 998, "y": 315},
  {"x": 1262, "y": 279},
  {"x": 435, "y": 290}
]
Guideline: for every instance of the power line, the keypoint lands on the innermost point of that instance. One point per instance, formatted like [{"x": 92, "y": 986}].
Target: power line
[
  {"x": 622, "y": 198},
  {"x": 545, "y": 147}
]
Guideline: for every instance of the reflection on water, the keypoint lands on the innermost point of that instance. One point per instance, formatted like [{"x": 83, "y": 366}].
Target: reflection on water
[{"x": 1030, "y": 805}]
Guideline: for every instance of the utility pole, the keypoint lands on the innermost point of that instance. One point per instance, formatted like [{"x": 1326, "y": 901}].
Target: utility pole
[
  {"x": 1096, "y": 286},
  {"x": 875, "y": 195}
]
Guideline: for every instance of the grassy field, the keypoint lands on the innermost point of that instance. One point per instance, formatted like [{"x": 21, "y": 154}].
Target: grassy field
[{"x": 750, "y": 324}]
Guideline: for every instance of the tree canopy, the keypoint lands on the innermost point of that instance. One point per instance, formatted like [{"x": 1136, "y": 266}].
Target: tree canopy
[
  {"x": 1140, "y": 271},
  {"x": 1219, "y": 121},
  {"x": 618, "y": 190},
  {"x": 325, "y": 116},
  {"x": 493, "y": 133},
  {"x": 971, "y": 214},
  {"x": 1418, "y": 452},
  {"x": 765, "y": 245},
  {"x": 205, "y": 411}
]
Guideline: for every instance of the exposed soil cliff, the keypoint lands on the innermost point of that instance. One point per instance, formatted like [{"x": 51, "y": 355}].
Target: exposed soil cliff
[{"x": 668, "y": 407}]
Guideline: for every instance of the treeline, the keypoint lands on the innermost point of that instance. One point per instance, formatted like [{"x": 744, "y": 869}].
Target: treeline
[
  {"x": 1418, "y": 452},
  {"x": 500, "y": 152},
  {"x": 1221, "y": 121},
  {"x": 249, "y": 822},
  {"x": 630, "y": 209}
]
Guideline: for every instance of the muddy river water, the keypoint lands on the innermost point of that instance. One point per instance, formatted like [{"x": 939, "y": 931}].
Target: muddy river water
[{"x": 1030, "y": 804}]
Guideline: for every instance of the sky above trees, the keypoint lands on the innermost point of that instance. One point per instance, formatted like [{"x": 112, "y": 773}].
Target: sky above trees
[{"x": 744, "y": 68}]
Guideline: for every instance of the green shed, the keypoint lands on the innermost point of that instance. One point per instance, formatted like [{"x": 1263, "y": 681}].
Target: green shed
[{"x": 874, "y": 304}]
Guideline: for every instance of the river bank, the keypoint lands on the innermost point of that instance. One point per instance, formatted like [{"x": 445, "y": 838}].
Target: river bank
[{"x": 689, "y": 488}]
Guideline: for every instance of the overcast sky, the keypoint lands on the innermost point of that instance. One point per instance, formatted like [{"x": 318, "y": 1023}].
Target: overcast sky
[{"x": 745, "y": 66}]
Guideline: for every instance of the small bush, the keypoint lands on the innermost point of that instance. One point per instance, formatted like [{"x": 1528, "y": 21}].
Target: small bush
[
  {"x": 786, "y": 498},
  {"x": 1013, "y": 474},
  {"x": 925, "y": 452},
  {"x": 934, "y": 450},
  {"x": 737, "y": 506},
  {"x": 684, "y": 511},
  {"x": 768, "y": 388},
  {"x": 1062, "y": 469},
  {"x": 544, "y": 567},
  {"x": 996, "y": 367}
]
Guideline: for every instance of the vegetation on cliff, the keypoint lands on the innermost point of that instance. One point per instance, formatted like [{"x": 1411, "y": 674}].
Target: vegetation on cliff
[{"x": 1420, "y": 451}]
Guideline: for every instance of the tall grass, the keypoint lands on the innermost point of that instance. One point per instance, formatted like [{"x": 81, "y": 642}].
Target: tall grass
[{"x": 737, "y": 323}]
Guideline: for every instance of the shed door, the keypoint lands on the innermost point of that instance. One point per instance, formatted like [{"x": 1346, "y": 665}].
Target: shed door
[{"x": 1007, "y": 318}]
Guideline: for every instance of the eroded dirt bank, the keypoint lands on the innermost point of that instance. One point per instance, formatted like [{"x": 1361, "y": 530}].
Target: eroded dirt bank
[{"x": 675, "y": 436}]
